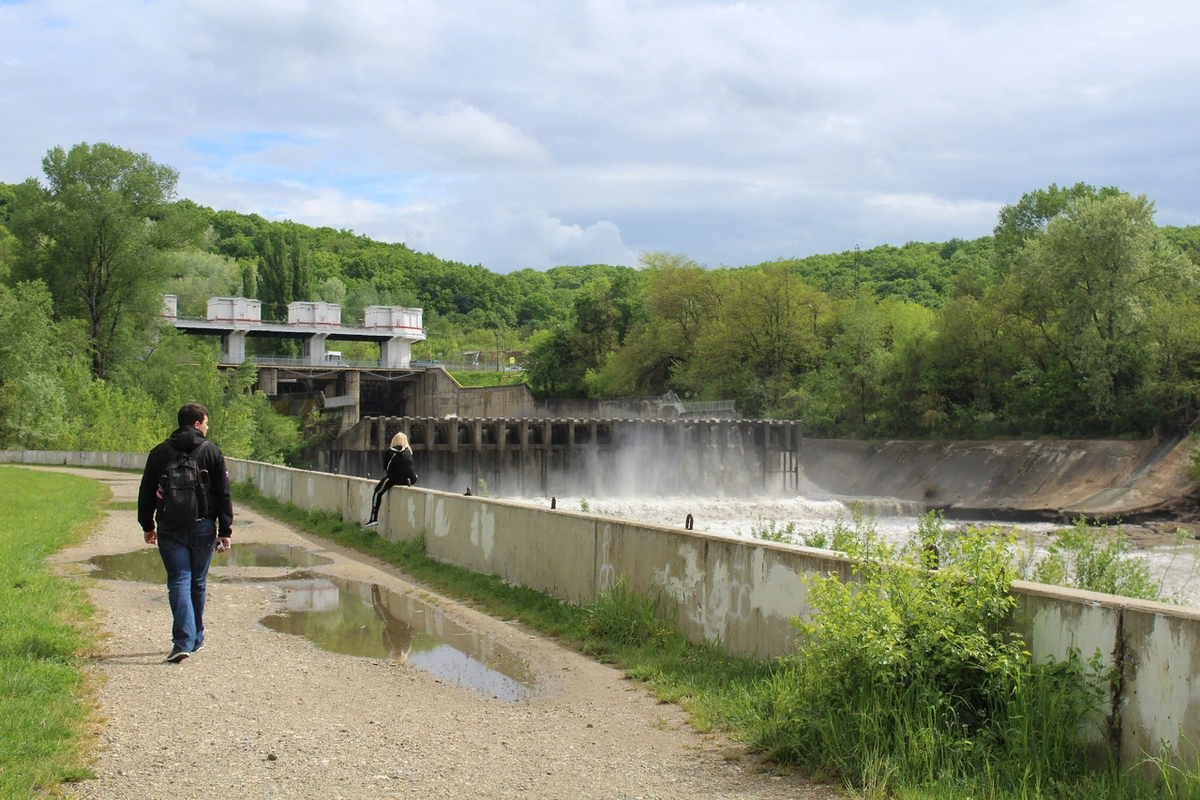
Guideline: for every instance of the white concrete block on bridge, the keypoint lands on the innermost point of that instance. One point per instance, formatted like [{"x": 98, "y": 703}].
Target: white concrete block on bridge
[{"x": 234, "y": 319}]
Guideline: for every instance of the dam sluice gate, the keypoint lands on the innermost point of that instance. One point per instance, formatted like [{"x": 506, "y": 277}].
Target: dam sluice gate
[{"x": 587, "y": 457}]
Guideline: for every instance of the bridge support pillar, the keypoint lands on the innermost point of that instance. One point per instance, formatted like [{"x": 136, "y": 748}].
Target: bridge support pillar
[
  {"x": 350, "y": 413},
  {"x": 233, "y": 347},
  {"x": 314, "y": 349},
  {"x": 395, "y": 352},
  {"x": 268, "y": 381}
]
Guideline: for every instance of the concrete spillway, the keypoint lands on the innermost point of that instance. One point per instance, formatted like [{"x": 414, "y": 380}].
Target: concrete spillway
[{"x": 1013, "y": 480}]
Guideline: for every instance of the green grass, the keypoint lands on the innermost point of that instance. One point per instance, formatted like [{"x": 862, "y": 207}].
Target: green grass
[
  {"x": 43, "y": 630},
  {"x": 488, "y": 378}
]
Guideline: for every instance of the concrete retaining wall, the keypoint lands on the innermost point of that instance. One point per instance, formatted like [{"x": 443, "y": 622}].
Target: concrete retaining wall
[
  {"x": 75, "y": 458},
  {"x": 744, "y": 594}
]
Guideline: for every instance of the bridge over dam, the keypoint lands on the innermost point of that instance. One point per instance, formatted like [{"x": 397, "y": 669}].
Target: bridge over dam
[{"x": 1012, "y": 481}]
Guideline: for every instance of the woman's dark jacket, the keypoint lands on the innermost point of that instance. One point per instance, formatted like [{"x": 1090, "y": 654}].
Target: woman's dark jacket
[{"x": 399, "y": 466}]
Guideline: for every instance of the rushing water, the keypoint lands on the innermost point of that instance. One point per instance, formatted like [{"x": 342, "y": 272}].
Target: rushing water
[{"x": 1174, "y": 564}]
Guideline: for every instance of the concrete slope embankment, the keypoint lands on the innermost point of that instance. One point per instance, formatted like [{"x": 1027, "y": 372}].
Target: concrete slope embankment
[{"x": 1013, "y": 480}]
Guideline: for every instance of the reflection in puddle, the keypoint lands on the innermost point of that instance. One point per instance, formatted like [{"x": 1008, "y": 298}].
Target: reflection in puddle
[
  {"x": 145, "y": 565},
  {"x": 365, "y": 619}
]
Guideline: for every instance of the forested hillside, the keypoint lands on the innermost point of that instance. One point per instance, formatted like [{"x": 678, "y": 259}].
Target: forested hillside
[{"x": 1076, "y": 318}]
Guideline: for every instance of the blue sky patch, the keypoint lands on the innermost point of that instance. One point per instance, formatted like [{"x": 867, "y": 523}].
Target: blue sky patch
[{"x": 242, "y": 143}]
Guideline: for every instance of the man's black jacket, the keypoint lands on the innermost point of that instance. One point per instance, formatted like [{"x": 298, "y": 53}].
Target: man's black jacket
[{"x": 186, "y": 440}]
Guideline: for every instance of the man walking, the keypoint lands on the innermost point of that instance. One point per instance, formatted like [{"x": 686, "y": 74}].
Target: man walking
[{"x": 184, "y": 499}]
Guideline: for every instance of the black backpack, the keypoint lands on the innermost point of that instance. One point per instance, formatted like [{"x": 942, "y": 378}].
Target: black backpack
[{"x": 183, "y": 490}]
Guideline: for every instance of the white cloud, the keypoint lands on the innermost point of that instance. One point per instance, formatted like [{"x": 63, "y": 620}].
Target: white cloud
[
  {"x": 515, "y": 133},
  {"x": 465, "y": 134},
  {"x": 927, "y": 207}
]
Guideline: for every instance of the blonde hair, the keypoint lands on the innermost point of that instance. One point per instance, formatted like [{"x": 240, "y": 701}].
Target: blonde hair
[{"x": 401, "y": 441}]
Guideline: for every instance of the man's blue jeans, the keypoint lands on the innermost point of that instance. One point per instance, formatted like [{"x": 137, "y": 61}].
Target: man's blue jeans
[{"x": 186, "y": 553}]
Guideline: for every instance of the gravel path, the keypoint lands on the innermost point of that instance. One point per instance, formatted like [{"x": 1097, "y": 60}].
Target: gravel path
[{"x": 259, "y": 714}]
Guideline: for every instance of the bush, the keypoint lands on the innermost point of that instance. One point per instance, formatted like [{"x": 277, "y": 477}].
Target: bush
[
  {"x": 1091, "y": 559},
  {"x": 912, "y": 675}
]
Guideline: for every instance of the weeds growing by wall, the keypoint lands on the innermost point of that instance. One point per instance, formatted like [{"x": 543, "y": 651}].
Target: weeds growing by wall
[
  {"x": 911, "y": 675},
  {"x": 1092, "y": 558}
]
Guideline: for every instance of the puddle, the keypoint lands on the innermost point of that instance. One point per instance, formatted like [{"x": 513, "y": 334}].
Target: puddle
[
  {"x": 145, "y": 565},
  {"x": 365, "y": 619},
  {"x": 354, "y": 618}
]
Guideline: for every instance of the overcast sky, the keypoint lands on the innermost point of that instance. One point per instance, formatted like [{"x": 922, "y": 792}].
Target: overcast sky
[{"x": 533, "y": 134}]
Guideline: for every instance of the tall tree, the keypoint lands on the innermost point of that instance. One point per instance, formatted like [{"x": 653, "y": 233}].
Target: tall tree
[
  {"x": 1020, "y": 222},
  {"x": 1089, "y": 285},
  {"x": 275, "y": 283},
  {"x": 96, "y": 233},
  {"x": 301, "y": 267}
]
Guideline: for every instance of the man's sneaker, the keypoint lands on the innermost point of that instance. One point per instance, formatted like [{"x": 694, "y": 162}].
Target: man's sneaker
[
  {"x": 371, "y": 523},
  {"x": 177, "y": 655},
  {"x": 198, "y": 648}
]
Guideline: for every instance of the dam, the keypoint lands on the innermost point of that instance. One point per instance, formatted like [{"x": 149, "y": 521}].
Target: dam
[
  {"x": 1055, "y": 481},
  {"x": 527, "y": 457}
]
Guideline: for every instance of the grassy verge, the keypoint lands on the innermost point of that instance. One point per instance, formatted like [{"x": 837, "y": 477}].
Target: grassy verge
[
  {"x": 42, "y": 630},
  {"x": 488, "y": 378},
  {"x": 910, "y": 687}
]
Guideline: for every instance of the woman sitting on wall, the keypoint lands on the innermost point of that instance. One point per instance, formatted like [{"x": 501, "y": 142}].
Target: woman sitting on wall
[{"x": 398, "y": 463}]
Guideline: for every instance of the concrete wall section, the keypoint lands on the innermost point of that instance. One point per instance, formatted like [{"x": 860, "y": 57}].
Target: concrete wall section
[
  {"x": 550, "y": 552},
  {"x": 319, "y": 490},
  {"x": 742, "y": 595},
  {"x": 1055, "y": 621},
  {"x": 238, "y": 469},
  {"x": 272, "y": 480},
  {"x": 358, "y": 499},
  {"x": 523, "y": 544},
  {"x": 403, "y": 514},
  {"x": 1161, "y": 696},
  {"x": 75, "y": 458}
]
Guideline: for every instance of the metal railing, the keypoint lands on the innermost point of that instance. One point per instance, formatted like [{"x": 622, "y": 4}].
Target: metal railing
[
  {"x": 697, "y": 406},
  {"x": 707, "y": 406},
  {"x": 469, "y": 366},
  {"x": 283, "y": 361},
  {"x": 450, "y": 366}
]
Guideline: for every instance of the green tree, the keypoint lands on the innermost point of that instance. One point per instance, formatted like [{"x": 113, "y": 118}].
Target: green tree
[
  {"x": 1089, "y": 285},
  {"x": 33, "y": 398},
  {"x": 96, "y": 234},
  {"x": 275, "y": 275},
  {"x": 194, "y": 276},
  {"x": 554, "y": 365},
  {"x": 332, "y": 291},
  {"x": 300, "y": 265},
  {"x": 1029, "y": 217},
  {"x": 680, "y": 292}
]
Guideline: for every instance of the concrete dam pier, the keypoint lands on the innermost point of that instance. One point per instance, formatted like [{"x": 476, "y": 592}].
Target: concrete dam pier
[{"x": 589, "y": 457}]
